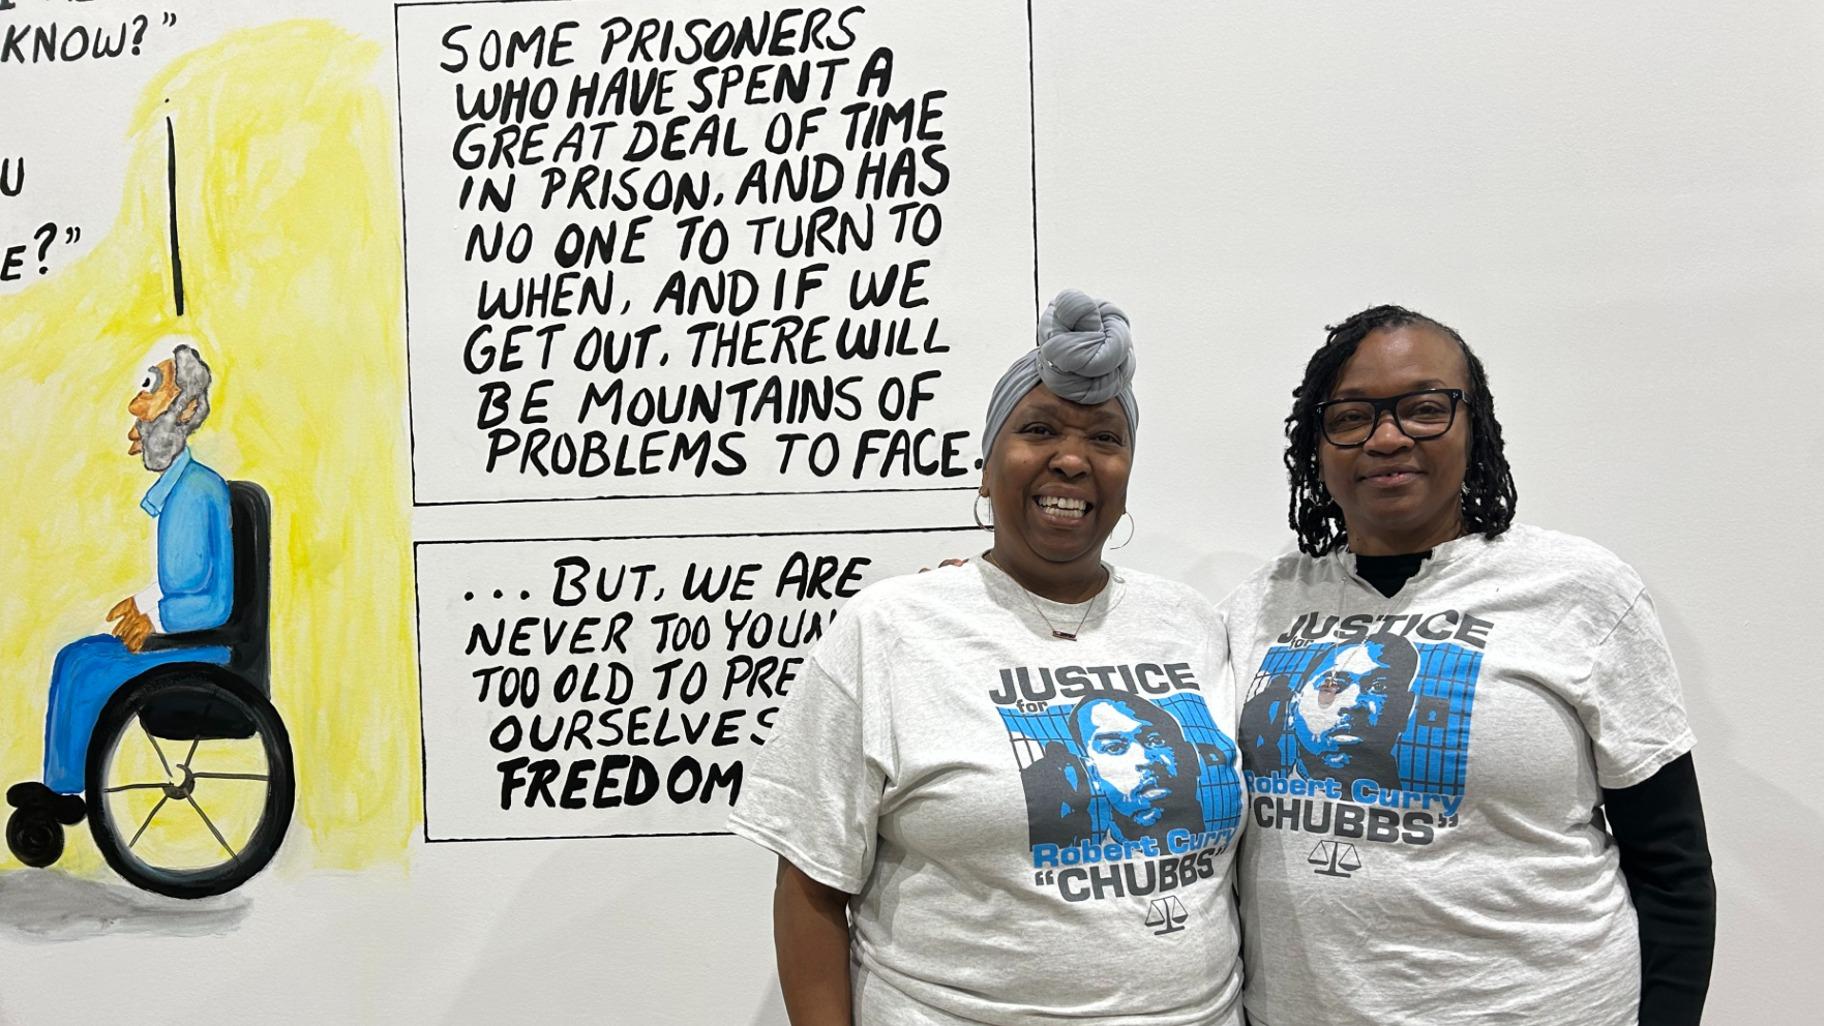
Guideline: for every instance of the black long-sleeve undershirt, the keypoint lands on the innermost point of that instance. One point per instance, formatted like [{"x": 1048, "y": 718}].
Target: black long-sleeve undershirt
[{"x": 1658, "y": 826}]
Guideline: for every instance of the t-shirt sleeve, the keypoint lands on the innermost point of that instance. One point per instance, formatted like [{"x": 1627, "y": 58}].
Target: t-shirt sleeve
[
  {"x": 1234, "y": 616},
  {"x": 1216, "y": 645},
  {"x": 1633, "y": 709},
  {"x": 813, "y": 795}
]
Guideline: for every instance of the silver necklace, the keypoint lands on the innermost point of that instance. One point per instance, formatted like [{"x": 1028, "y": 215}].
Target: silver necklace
[{"x": 1088, "y": 607}]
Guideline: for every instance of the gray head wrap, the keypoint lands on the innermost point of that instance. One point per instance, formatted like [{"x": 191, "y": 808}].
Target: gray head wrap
[{"x": 1085, "y": 355}]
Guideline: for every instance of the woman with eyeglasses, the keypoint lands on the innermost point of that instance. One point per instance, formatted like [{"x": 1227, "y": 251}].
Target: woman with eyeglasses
[
  {"x": 1009, "y": 792},
  {"x": 1471, "y": 794}
]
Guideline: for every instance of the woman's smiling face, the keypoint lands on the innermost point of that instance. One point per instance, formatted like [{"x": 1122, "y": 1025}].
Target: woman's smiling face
[
  {"x": 1400, "y": 495},
  {"x": 1057, "y": 479}
]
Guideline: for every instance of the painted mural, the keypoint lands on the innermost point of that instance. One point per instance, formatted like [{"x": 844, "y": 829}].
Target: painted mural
[
  {"x": 210, "y": 425},
  {"x": 356, "y": 279}
]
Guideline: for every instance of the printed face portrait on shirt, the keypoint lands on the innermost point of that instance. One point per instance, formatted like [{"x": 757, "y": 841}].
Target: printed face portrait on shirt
[
  {"x": 1138, "y": 759},
  {"x": 1350, "y": 711}
]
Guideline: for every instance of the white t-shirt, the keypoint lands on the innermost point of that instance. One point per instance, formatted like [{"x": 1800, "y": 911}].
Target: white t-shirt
[
  {"x": 932, "y": 761},
  {"x": 1424, "y": 843}
]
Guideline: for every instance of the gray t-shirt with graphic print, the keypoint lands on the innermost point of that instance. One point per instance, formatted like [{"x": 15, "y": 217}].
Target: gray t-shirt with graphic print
[
  {"x": 1424, "y": 843},
  {"x": 1036, "y": 830}
]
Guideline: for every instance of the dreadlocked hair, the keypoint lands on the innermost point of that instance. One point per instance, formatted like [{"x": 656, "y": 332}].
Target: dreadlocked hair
[{"x": 1488, "y": 497}]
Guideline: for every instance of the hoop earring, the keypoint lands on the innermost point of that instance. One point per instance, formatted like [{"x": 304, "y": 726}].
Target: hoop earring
[
  {"x": 1129, "y": 517},
  {"x": 989, "y": 526}
]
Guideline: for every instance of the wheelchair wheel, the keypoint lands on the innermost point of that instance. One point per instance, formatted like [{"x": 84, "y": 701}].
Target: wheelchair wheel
[{"x": 190, "y": 782}]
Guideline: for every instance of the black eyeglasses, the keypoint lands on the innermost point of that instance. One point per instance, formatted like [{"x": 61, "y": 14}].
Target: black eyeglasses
[{"x": 1349, "y": 423}]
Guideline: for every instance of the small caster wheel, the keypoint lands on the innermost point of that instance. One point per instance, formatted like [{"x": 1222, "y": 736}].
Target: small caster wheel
[{"x": 35, "y": 837}]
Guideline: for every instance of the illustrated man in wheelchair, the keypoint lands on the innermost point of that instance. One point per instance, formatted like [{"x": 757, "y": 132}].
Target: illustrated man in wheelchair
[{"x": 162, "y": 733}]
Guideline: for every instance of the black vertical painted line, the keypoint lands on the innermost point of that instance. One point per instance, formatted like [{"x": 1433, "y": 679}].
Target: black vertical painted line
[
  {"x": 405, "y": 250},
  {"x": 177, "y": 259},
  {"x": 1032, "y": 126},
  {"x": 424, "y": 759}
]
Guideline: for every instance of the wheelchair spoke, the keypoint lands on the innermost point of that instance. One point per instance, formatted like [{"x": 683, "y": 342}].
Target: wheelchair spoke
[
  {"x": 208, "y": 707},
  {"x": 211, "y": 825},
  {"x": 191, "y": 754},
  {"x": 134, "y": 787},
  {"x": 148, "y": 822},
  {"x": 162, "y": 761},
  {"x": 220, "y": 776}
]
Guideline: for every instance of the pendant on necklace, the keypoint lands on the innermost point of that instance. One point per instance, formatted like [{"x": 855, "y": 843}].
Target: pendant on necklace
[{"x": 1063, "y": 635}]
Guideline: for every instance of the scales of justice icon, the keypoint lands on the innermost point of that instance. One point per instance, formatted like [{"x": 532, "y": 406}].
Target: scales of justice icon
[
  {"x": 1334, "y": 858},
  {"x": 1168, "y": 914}
]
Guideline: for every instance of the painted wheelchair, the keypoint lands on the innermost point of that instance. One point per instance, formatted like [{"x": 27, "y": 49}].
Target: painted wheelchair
[{"x": 188, "y": 781}]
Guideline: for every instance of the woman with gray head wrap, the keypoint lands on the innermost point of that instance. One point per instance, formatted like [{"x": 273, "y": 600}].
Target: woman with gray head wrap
[
  {"x": 1057, "y": 444},
  {"x": 963, "y": 743}
]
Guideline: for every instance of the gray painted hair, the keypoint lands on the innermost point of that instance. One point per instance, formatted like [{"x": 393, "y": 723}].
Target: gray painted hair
[{"x": 192, "y": 377}]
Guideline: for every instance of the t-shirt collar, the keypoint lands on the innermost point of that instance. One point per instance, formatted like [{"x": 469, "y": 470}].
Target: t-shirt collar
[
  {"x": 1034, "y": 610},
  {"x": 154, "y": 501},
  {"x": 1455, "y": 551}
]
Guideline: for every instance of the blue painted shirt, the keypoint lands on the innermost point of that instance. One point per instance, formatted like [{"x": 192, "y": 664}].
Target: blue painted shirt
[{"x": 195, "y": 546}]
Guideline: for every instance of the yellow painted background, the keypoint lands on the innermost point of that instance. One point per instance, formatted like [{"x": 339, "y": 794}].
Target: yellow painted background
[{"x": 287, "y": 201}]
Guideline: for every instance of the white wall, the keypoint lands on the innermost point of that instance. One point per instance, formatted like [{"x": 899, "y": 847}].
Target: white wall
[{"x": 1621, "y": 207}]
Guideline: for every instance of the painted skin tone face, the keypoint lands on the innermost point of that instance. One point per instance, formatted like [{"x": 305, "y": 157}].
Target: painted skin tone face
[
  {"x": 1399, "y": 495},
  {"x": 156, "y": 394},
  {"x": 1057, "y": 480},
  {"x": 1135, "y": 761}
]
